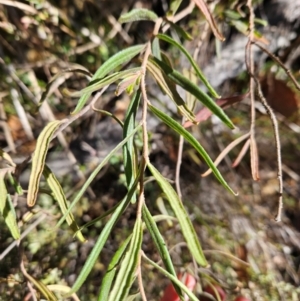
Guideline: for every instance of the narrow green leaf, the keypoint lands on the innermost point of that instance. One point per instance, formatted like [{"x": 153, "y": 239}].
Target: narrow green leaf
[
  {"x": 111, "y": 270},
  {"x": 7, "y": 209},
  {"x": 129, "y": 155},
  {"x": 160, "y": 245},
  {"x": 189, "y": 86},
  {"x": 169, "y": 88},
  {"x": 97, "y": 84},
  {"x": 172, "y": 278},
  {"x": 191, "y": 139},
  {"x": 13, "y": 181},
  {"x": 186, "y": 225},
  {"x": 180, "y": 31},
  {"x": 38, "y": 160},
  {"x": 94, "y": 174},
  {"x": 128, "y": 266},
  {"x": 174, "y": 5},
  {"x": 138, "y": 14},
  {"x": 156, "y": 48},
  {"x": 92, "y": 258},
  {"x": 60, "y": 196},
  {"x": 113, "y": 62},
  {"x": 170, "y": 40}
]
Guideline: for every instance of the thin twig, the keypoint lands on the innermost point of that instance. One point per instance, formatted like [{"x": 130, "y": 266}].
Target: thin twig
[
  {"x": 278, "y": 147},
  {"x": 178, "y": 165},
  {"x": 250, "y": 67},
  {"x": 24, "y": 234},
  {"x": 31, "y": 289},
  {"x": 140, "y": 279},
  {"x": 280, "y": 63}
]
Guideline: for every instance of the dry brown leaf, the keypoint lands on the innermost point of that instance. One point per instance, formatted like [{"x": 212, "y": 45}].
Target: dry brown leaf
[{"x": 205, "y": 10}]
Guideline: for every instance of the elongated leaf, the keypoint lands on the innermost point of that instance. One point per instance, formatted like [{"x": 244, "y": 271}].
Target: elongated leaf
[
  {"x": 113, "y": 62},
  {"x": 60, "y": 196},
  {"x": 128, "y": 266},
  {"x": 224, "y": 103},
  {"x": 13, "y": 181},
  {"x": 187, "y": 228},
  {"x": 180, "y": 31},
  {"x": 169, "y": 88},
  {"x": 241, "y": 154},
  {"x": 160, "y": 245},
  {"x": 129, "y": 154},
  {"x": 128, "y": 84},
  {"x": 42, "y": 288},
  {"x": 138, "y": 14},
  {"x": 189, "y": 86},
  {"x": 192, "y": 61},
  {"x": 191, "y": 139},
  {"x": 174, "y": 5},
  {"x": 173, "y": 279},
  {"x": 225, "y": 151},
  {"x": 111, "y": 270},
  {"x": 97, "y": 84},
  {"x": 94, "y": 174},
  {"x": 7, "y": 157},
  {"x": 205, "y": 10},
  {"x": 92, "y": 258},
  {"x": 156, "y": 48},
  {"x": 38, "y": 160},
  {"x": 7, "y": 209}
]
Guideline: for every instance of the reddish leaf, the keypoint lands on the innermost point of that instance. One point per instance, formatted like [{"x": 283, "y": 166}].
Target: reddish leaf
[
  {"x": 280, "y": 96},
  {"x": 224, "y": 103},
  {"x": 170, "y": 293}
]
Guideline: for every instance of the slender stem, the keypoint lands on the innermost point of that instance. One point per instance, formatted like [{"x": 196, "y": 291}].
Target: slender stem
[{"x": 280, "y": 63}]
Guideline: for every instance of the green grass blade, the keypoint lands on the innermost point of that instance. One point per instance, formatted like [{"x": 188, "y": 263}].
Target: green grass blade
[
  {"x": 160, "y": 244},
  {"x": 129, "y": 154},
  {"x": 94, "y": 174},
  {"x": 170, "y": 40},
  {"x": 7, "y": 209},
  {"x": 38, "y": 160},
  {"x": 191, "y": 139},
  {"x": 113, "y": 62},
  {"x": 187, "y": 228},
  {"x": 138, "y": 14},
  {"x": 60, "y": 197},
  {"x": 189, "y": 86},
  {"x": 128, "y": 266},
  {"x": 111, "y": 270}
]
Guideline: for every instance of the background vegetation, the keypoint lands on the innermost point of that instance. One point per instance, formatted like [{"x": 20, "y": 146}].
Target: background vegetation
[{"x": 49, "y": 50}]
